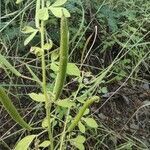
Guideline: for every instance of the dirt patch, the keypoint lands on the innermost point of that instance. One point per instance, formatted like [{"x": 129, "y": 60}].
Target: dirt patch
[{"x": 127, "y": 111}]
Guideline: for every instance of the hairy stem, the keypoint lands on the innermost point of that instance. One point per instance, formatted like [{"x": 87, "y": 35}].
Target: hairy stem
[
  {"x": 47, "y": 101},
  {"x": 64, "y": 131}
]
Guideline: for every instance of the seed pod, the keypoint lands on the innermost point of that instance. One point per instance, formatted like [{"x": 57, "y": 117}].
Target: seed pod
[
  {"x": 81, "y": 112},
  {"x": 63, "y": 58},
  {"x": 5, "y": 100}
]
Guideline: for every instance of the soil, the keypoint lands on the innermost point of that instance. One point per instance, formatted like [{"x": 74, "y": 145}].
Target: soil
[{"x": 127, "y": 111}]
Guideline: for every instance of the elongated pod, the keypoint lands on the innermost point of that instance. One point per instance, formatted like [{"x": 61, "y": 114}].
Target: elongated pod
[
  {"x": 5, "y": 100},
  {"x": 63, "y": 58},
  {"x": 81, "y": 112}
]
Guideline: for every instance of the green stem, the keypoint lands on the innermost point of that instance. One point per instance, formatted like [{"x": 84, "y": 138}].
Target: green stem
[
  {"x": 47, "y": 102},
  {"x": 37, "y": 21},
  {"x": 64, "y": 131}
]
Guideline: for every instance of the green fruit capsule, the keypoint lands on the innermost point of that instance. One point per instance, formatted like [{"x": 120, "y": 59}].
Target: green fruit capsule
[
  {"x": 63, "y": 58},
  {"x": 81, "y": 112},
  {"x": 12, "y": 111}
]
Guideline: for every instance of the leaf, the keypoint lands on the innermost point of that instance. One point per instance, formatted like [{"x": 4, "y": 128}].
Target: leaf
[
  {"x": 45, "y": 123},
  {"x": 54, "y": 67},
  {"x": 12, "y": 111},
  {"x": 37, "y": 97},
  {"x": 78, "y": 142},
  {"x": 86, "y": 112},
  {"x": 59, "y": 2},
  {"x": 57, "y": 11},
  {"x": 111, "y": 17},
  {"x": 43, "y": 14},
  {"x": 112, "y": 22},
  {"x": 81, "y": 127},
  {"x": 36, "y": 50},
  {"x": 48, "y": 46},
  {"x": 44, "y": 144},
  {"x": 4, "y": 62},
  {"x": 25, "y": 142},
  {"x": 54, "y": 55},
  {"x": 104, "y": 90},
  {"x": 28, "y": 29},
  {"x": 18, "y": 1},
  {"x": 29, "y": 38},
  {"x": 73, "y": 70},
  {"x": 65, "y": 103},
  {"x": 90, "y": 122},
  {"x": 79, "y": 139}
]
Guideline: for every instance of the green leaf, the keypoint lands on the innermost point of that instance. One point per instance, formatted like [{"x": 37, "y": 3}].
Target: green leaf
[
  {"x": 73, "y": 70},
  {"x": 57, "y": 11},
  {"x": 59, "y": 2},
  {"x": 29, "y": 38},
  {"x": 65, "y": 103},
  {"x": 48, "y": 46},
  {"x": 37, "y": 97},
  {"x": 81, "y": 127},
  {"x": 54, "y": 55},
  {"x": 28, "y": 29},
  {"x": 87, "y": 111},
  {"x": 36, "y": 50},
  {"x": 25, "y": 142},
  {"x": 4, "y": 62},
  {"x": 12, "y": 111},
  {"x": 44, "y": 144},
  {"x": 18, "y": 1},
  {"x": 104, "y": 90},
  {"x": 43, "y": 14},
  {"x": 45, "y": 123},
  {"x": 90, "y": 122},
  {"x": 79, "y": 139},
  {"x": 78, "y": 142},
  {"x": 111, "y": 16},
  {"x": 112, "y": 24},
  {"x": 54, "y": 67}
]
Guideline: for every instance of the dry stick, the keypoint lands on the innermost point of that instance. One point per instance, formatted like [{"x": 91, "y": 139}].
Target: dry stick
[
  {"x": 91, "y": 46},
  {"x": 64, "y": 46},
  {"x": 84, "y": 49}
]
